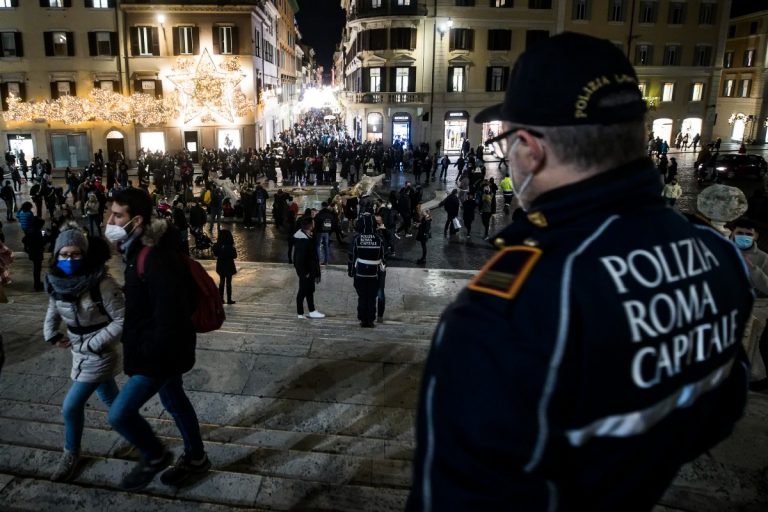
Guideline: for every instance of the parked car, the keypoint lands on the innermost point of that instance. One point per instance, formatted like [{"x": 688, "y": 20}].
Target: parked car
[{"x": 732, "y": 166}]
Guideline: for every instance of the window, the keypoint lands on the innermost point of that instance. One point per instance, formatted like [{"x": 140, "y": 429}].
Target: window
[
  {"x": 647, "y": 12},
  {"x": 465, "y": 3},
  {"x": 62, "y": 88},
  {"x": 225, "y": 40},
  {"x": 269, "y": 52},
  {"x": 100, "y": 4},
  {"x": 702, "y": 55},
  {"x": 643, "y": 55},
  {"x": 375, "y": 4},
  {"x": 59, "y": 44},
  {"x": 499, "y": 40},
  {"x": 10, "y": 44},
  {"x": 401, "y": 79},
  {"x": 539, "y": 4},
  {"x": 106, "y": 85},
  {"x": 676, "y": 13},
  {"x": 56, "y": 4},
  {"x": 672, "y": 55},
  {"x": 456, "y": 77},
  {"x": 144, "y": 41},
  {"x": 102, "y": 44},
  {"x": 403, "y": 3},
  {"x": 728, "y": 88},
  {"x": 749, "y": 58},
  {"x": 753, "y": 26},
  {"x": 643, "y": 87},
  {"x": 697, "y": 91},
  {"x": 185, "y": 41},
  {"x": 616, "y": 10},
  {"x": 668, "y": 91},
  {"x": 151, "y": 87},
  {"x": 707, "y": 13},
  {"x": 745, "y": 87},
  {"x": 15, "y": 89},
  {"x": 462, "y": 39},
  {"x": 731, "y": 31},
  {"x": 728, "y": 60},
  {"x": 496, "y": 80},
  {"x": 7, "y": 4},
  {"x": 582, "y": 10},
  {"x": 257, "y": 43},
  {"x": 401, "y": 38},
  {"x": 502, "y": 3},
  {"x": 375, "y": 80}
]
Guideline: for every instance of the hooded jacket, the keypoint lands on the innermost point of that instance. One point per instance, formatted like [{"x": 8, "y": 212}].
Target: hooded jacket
[
  {"x": 158, "y": 339},
  {"x": 305, "y": 258}
]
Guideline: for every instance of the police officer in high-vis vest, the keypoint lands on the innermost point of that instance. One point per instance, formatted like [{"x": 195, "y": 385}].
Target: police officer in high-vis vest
[
  {"x": 600, "y": 348},
  {"x": 366, "y": 260}
]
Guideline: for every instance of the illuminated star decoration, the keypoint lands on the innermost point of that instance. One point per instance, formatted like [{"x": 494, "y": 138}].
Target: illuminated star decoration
[{"x": 207, "y": 90}]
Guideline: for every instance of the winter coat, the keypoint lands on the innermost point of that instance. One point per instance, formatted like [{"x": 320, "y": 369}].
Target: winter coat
[
  {"x": 225, "y": 259},
  {"x": 158, "y": 339},
  {"x": 305, "y": 258},
  {"x": 95, "y": 355},
  {"x": 451, "y": 205},
  {"x": 25, "y": 220}
]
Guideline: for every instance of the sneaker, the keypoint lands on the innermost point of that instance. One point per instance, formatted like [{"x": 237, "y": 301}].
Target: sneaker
[
  {"x": 302, "y": 317},
  {"x": 144, "y": 471},
  {"x": 230, "y": 302},
  {"x": 409, "y": 235},
  {"x": 183, "y": 469},
  {"x": 380, "y": 319},
  {"x": 315, "y": 314},
  {"x": 66, "y": 468},
  {"x": 397, "y": 236}
]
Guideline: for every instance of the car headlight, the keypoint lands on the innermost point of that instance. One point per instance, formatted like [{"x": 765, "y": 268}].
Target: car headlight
[{"x": 721, "y": 168}]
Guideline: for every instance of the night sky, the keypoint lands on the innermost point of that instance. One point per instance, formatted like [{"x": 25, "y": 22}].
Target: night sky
[
  {"x": 320, "y": 24},
  {"x": 741, "y": 7}
]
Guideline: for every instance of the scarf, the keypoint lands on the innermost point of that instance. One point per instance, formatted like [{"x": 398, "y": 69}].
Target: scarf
[{"x": 70, "y": 288}]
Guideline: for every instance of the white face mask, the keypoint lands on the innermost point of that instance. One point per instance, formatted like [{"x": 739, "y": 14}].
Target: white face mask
[
  {"x": 524, "y": 186},
  {"x": 115, "y": 233}
]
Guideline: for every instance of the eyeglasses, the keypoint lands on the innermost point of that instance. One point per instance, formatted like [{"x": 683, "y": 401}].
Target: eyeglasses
[
  {"x": 501, "y": 143},
  {"x": 70, "y": 255}
]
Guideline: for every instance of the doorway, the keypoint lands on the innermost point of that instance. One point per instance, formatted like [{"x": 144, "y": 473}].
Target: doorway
[
  {"x": 190, "y": 144},
  {"x": 115, "y": 146},
  {"x": 662, "y": 128},
  {"x": 401, "y": 128}
]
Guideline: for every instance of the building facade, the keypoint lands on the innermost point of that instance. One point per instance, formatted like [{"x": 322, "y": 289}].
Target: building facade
[
  {"x": 420, "y": 72},
  {"x": 742, "y": 113},
  {"x": 194, "y": 74}
]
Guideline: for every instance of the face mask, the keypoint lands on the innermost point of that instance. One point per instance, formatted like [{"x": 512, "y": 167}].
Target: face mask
[
  {"x": 69, "y": 267},
  {"x": 115, "y": 233},
  {"x": 743, "y": 241},
  {"x": 524, "y": 186}
]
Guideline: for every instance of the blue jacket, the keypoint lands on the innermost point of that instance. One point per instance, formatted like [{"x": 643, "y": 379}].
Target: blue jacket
[{"x": 589, "y": 359}]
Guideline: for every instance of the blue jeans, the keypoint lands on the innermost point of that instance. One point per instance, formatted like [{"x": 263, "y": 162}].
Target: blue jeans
[
  {"x": 324, "y": 247},
  {"x": 125, "y": 418},
  {"x": 73, "y": 408}
]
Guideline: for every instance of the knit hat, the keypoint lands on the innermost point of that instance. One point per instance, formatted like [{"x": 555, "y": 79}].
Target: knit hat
[{"x": 71, "y": 234}]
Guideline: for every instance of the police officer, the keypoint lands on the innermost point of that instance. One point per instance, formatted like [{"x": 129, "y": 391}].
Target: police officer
[
  {"x": 600, "y": 348},
  {"x": 366, "y": 258}
]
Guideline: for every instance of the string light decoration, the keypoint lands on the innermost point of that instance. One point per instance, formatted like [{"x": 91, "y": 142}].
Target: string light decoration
[
  {"x": 209, "y": 92},
  {"x": 203, "y": 91}
]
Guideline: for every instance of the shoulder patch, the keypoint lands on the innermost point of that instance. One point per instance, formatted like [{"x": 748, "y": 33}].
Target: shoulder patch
[{"x": 506, "y": 272}]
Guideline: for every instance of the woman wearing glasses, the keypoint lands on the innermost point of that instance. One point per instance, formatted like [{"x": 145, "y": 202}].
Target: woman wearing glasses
[{"x": 91, "y": 304}]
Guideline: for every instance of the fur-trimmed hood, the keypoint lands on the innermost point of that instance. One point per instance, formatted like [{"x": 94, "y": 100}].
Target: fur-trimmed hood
[{"x": 154, "y": 232}]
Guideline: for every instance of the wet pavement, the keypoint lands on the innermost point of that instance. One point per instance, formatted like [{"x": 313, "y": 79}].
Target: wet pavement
[{"x": 269, "y": 244}]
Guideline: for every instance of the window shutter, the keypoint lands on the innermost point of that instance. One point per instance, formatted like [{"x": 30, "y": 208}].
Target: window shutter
[
  {"x": 137, "y": 86},
  {"x": 48, "y": 43},
  {"x": 195, "y": 40},
  {"x": 67, "y": 3},
  {"x": 88, "y": 3},
  {"x": 367, "y": 40},
  {"x": 19, "y": 45},
  {"x": 71, "y": 44},
  {"x": 471, "y": 39},
  {"x": 216, "y": 41},
  {"x": 92, "y": 50},
  {"x": 392, "y": 79},
  {"x": 413, "y": 38},
  {"x": 72, "y": 89},
  {"x": 111, "y": 3},
  {"x": 4, "y": 95},
  {"x": 114, "y": 44},
  {"x": 366, "y": 80},
  {"x": 412, "y": 79},
  {"x": 155, "y": 41},
  {"x": 22, "y": 91},
  {"x": 97, "y": 84},
  {"x": 488, "y": 78},
  {"x": 452, "y": 40},
  {"x": 44, "y": 3},
  {"x": 14, "y": 3},
  {"x": 235, "y": 41},
  {"x": 176, "y": 38},
  {"x": 54, "y": 90},
  {"x": 158, "y": 88},
  {"x": 134, "y": 41},
  {"x": 504, "y": 77}
]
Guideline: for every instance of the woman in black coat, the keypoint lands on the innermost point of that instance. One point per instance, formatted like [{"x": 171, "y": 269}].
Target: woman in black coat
[
  {"x": 225, "y": 253},
  {"x": 34, "y": 244}
]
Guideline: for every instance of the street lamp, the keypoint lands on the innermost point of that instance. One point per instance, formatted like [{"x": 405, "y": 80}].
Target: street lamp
[{"x": 444, "y": 27}]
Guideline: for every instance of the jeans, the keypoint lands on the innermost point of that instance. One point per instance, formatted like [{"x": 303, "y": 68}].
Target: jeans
[
  {"x": 215, "y": 216},
  {"x": 228, "y": 281},
  {"x": 73, "y": 408},
  {"x": 125, "y": 418},
  {"x": 324, "y": 247}
]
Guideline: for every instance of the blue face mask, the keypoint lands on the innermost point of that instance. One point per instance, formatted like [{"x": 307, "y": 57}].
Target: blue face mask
[
  {"x": 743, "y": 241},
  {"x": 69, "y": 267}
]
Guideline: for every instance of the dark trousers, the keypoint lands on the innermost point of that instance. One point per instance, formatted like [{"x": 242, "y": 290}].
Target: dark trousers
[
  {"x": 423, "y": 249},
  {"x": 306, "y": 291},
  {"x": 228, "y": 281},
  {"x": 9, "y": 209},
  {"x": 381, "y": 300},
  {"x": 367, "y": 290},
  {"x": 486, "y": 218},
  {"x": 37, "y": 268},
  {"x": 449, "y": 225}
]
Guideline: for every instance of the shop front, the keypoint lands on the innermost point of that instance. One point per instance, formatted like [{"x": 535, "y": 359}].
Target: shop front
[
  {"x": 70, "y": 150},
  {"x": 20, "y": 143},
  {"x": 375, "y": 127},
  {"x": 455, "y": 129},
  {"x": 401, "y": 128}
]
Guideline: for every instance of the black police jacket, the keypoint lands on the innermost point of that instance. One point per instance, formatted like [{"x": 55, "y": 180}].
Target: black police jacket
[
  {"x": 366, "y": 255},
  {"x": 596, "y": 353}
]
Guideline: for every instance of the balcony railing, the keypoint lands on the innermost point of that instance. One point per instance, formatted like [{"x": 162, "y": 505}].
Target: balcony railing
[
  {"x": 386, "y": 97},
  {"x": 388, "y": 8}
]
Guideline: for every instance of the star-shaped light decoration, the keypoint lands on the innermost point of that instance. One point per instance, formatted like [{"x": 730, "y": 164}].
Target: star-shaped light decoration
[{"x": 207, "y": 90}]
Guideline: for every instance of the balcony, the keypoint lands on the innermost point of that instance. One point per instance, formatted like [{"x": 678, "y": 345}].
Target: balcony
[
  {"x": 388, "y": 8},
  {"x": 385, "y": 97}
]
